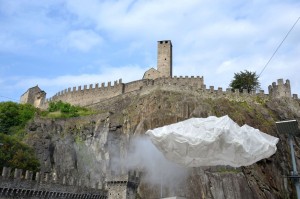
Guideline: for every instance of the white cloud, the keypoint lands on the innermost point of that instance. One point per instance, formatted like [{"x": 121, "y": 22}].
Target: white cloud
[
  {"x": 56, "y": 84},
  {"x": 210, "y": 38},
  {"x": 83, "y": 40}
]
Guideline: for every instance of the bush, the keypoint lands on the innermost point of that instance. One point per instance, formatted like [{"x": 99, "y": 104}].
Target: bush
[
  {"x": 66, "y": 110},
  {"x": 14, "y": 115},
  {"x": 16, "y": 154}
]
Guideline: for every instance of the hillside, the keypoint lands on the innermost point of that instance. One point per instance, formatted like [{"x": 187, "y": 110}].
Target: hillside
[{"x": 89, "y": 147}]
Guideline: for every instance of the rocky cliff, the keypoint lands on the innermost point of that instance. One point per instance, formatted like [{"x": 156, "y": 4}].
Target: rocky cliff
[{"x": 87, "y": 147}]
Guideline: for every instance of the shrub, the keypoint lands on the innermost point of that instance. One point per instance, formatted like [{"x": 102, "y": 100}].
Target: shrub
[
  {"x": 14, "y": 115},
  {"x": 16, "y": 154}
]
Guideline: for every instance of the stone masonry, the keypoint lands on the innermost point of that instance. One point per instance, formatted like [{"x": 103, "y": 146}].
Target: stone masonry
[
  {"x": 34, "y": 96},
  {"x": 95, "y": 93},
  {"x": 164, "y": 61},
  {"x": 18, "y": 184}
]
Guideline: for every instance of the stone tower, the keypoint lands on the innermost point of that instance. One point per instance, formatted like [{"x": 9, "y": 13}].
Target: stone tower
[
  {"x": 164, "y": 58},
  {"x": 164, "y": 61},
  {"x": 123, "y": 185},
  {"x": 34, "y": 96},
  {"x": 281, "y": 89}
]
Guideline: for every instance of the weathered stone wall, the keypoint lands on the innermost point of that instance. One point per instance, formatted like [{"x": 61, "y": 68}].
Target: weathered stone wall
[
  {"x": 133, "y": 86},
  {"x": 89, "y": 95},
  {"x": 18, "y": 184},
  {"x": 34, "y": 96},
  {"x": 281, "y": 89},
  {"x": 123, "y": 185},
  {"x": 152, "y": 74},
  {"x": 95, "y": 93},
  {"x": 24, "y": 98}
]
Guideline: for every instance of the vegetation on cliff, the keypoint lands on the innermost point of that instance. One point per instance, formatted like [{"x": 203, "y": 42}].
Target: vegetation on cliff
[
  {"x": 61, "y": 109},
  {"x": 14, "y": 116},
  {"x": 14, "y": 153},
  {"x": 13, "y": 119}
]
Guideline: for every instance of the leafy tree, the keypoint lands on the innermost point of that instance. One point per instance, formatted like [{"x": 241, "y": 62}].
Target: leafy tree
[
  {"x": 245, "y": 80},
  {"x": 9, "y": 112},
  {"x": 16, "y": 154},
  {"x": 14, "y": 115}
]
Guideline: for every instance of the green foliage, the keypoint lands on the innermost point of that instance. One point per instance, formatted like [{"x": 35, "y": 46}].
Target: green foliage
[
  {"x": 245, "y": 80},
  {"x": 14, "y": 116},
  {"x": 65, "y": 110},
  {"x": 15, "y": 154}
]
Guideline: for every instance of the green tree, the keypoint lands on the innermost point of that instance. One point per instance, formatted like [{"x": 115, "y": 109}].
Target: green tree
[
  {"x": 245, "y": 80},
  {"x": 14, "y": 116},
  {"x": 16, "y": 154}
]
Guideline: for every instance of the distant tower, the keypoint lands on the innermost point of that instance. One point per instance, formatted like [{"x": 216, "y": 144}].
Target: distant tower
[
  {"x": 281, "y": 89},
  {"x": 164, "y": 61},
  {"x": 34, "y": 96},
  {"x": 164, "y": 58}
]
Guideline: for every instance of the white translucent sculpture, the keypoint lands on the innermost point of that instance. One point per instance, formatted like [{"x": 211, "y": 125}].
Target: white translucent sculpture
[{"x": 212, "y": 141}]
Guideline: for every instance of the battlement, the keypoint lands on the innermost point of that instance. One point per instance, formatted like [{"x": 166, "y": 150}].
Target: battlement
[
  {"x": 96, "y": 93},
  {"x": 123, "y": 177},
  {"x": 280, "y": 89},
  {"x": 19, "y": 183}
]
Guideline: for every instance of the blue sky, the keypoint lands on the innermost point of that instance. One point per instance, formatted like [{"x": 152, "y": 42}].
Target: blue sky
[{"x": 64, "y": 43}]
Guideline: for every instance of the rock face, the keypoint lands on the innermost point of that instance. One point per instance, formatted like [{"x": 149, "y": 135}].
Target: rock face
[{"x": 88, "y": 147}]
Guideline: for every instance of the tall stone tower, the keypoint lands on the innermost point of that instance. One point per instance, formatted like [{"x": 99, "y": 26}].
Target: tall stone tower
[
  {"x": 164, "y": 58},
  {"x": 164, "y": 61}
]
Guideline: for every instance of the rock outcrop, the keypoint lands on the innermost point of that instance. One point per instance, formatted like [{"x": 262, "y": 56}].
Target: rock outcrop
[{"x": 87, "y": 147}]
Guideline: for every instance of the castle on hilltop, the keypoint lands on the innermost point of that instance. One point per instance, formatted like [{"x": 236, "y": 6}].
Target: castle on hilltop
[{"x": 162, "y": 76}]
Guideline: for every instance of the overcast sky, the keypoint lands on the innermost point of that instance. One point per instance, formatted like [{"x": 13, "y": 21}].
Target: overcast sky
[{"x": 64, "y": 43}]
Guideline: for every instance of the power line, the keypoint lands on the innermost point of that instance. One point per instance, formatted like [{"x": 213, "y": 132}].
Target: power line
[
  {"x": 279, "y": 47},
  {"x": 9, "y": 98}
]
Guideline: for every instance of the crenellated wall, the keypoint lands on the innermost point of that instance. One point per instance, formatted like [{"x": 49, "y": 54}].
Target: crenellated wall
[
  {"x": 89, "y": 94},
  {"x": 280, "y": 89},
  {"x": 16, "y": 183},
  {"x": 92, "y": 94}
]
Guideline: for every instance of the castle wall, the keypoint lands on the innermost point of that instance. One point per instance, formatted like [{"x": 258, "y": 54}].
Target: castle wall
[
  {"x": 18, "y": 184},
  {"x": 93, "y": 94},
  {"x": 133, "y": 86},
  {"x": 152, "y": 74},
  {"x": 117, "y": 190},
  {"x": 24, "y": 98},
  {"x": 280, "y": 89},
  {"x": 34, "y": 96},
  {"x": 89, "y": 94},
  {"x": 123, "y": 185}
]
